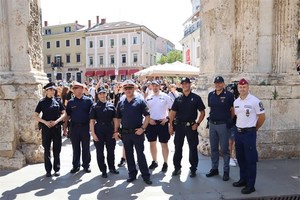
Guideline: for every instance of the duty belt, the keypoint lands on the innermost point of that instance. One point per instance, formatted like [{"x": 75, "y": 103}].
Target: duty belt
[
  {"x": 104, "y": 123},
  {"x": 240, "y": 130},
  {"x": 127, "y": 130},
  {"x": 217, "y": 122},
  {"x": 186, "y": 123}
]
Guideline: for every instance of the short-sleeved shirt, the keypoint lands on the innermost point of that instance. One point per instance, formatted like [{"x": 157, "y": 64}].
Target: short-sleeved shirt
[
  {"x": 131, "y": 113},
  {"x": 79, "y": 109},
  {"x": 246, "y": 111},
  {"x": 50, "y": 107},
  {"x": 159, "y": 105},
  {"x": 220, "y": 105},
  {"x": 186, "y": 107}
]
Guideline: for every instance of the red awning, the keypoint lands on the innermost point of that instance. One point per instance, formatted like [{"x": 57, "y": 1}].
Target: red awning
[
  {"x": 122, "y": 72},
  {"x": 132, "y": 71},
  {"x": 112, "y": 72},
  {"x": 100, "y": 73},
  {"x": 90, "y": 73}
]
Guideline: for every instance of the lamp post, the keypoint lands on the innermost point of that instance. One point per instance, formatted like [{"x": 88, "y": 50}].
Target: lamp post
[{"x": 116, "y": 71}]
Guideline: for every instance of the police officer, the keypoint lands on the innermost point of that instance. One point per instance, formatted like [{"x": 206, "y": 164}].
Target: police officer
[
  {"x": 53, "y": 113},
  {"x": 78, "y": 109},
  {"x": 221, "y": 113},
  {"x": 102, "y": 117},
  {"x": 130, "y": 112},
  {"x": 185, "y": 109},
  {"x": 159, "y": 104},
  {"x": 250, "y": 117}
]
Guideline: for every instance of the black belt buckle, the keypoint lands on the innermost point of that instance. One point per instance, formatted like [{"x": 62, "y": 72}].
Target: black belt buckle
[
  {"x": 239, "y": 130},
  {"x": 188, "y": 124}
]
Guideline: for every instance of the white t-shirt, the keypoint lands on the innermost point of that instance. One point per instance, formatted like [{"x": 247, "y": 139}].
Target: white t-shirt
[
  {"x": 159, "y": 105},
  {"x": 247, "y": 110}
]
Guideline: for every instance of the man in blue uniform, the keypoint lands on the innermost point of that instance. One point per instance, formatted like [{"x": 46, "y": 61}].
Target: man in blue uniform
[
  {"x": 50, "y": 123},
  {"x": 130, "y": 112},
  {"x": 102, "y": 118},
  {"x": 250, "y": 115},
  {"x": 78, "y": 109},
  {"x": 221, "y": 113},
  {"x": 185, "y": 108}
]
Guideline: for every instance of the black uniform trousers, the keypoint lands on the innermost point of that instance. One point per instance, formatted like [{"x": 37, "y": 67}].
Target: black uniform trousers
[
  {"x": 80, "y": 138},
  {"x": 50, "y": 135},
  {"x": 105, "y": 138},
  {"x": 131, "y": 140},
  {"x": 193, "y": 141}
]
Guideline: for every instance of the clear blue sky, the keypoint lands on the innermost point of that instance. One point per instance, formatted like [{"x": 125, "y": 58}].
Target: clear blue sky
[{"x": 163, "y": 17}]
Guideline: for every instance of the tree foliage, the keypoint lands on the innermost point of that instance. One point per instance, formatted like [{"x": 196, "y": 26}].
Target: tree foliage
[{"x": 171, "y": 57}]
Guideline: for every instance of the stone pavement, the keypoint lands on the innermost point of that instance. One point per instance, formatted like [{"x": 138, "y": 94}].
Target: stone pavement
[{"x": 275, "y": 178}]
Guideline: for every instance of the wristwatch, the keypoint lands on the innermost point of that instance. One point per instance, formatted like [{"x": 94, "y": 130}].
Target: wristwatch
[{"x": 143, "y": 129}]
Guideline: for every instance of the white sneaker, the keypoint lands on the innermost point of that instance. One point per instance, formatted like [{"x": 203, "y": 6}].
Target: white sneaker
[{"x": 232, "y": 162}]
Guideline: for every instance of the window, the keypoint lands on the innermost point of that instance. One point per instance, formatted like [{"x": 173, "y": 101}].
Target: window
[
  {"x": 48, "y": 59},
  {"x": 123, "y": 58},
  {"x": 67, "y": 29},
  {"x": 58, "y": 61},
  {"x": 135, "y": 57},
  {"x": 101, "y": 43},
  {"x": 57, "y": 44},
  {"x": 112, "y": 43},
  {"x": 135, "y": 40},
  {"x": 101, "y": 60},
  {"x": 48, "y": 45},
  {"x": 123, "y": 41},
  {"x": 69, "y": 75},
  {"x": 49, "y": 77},
  {"x": 91, "y": 60},
  {"x": 78, "y": 58},
  {"x": 112, "y": 59},
  {"x": 67, "y": 43},
  {"x": 91, "y": 44},
  {"x": 78, "y": 42},
  {"x": 68, "y": 58},
  {"x": 47, "y": 31}
]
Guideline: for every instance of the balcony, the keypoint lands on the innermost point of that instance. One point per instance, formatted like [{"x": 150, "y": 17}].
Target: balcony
[
  {"x": 57, "y": 64},
  {"x": 193, "y": 27}
]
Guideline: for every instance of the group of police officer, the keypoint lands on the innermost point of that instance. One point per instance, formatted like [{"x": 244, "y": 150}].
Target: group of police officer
[{"x": 158, "y": 116}]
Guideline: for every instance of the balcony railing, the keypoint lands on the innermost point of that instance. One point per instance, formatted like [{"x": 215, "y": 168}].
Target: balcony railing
[
  {"x": 58, "y": 64},
  {"x": 192, "y": 28}
]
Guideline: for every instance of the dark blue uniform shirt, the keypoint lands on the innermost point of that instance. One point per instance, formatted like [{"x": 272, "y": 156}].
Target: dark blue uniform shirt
[
  {"x": 79, "y": 109},
  {"x": 132, "y": 112},
  {"x": 186, "y": 107},
  {"x": 50, "y": 107},
  {"x": 103, "y": 113},
  {"x": 220, "y": 105}
]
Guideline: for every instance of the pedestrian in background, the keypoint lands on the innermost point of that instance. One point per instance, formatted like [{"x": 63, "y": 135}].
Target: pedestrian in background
[
  {"x": 185, "y": 108},
  {"x": 250, "y": 114}
]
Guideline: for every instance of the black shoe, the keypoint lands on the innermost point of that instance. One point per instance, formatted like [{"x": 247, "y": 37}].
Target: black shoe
[
  {"x": 114, "y": 171},
  {"x": 131, "y": 179},
  {"x": 248, "y": 190},
  {"x": 153, "y": 165},
  {"x": 122, "y": 162},
  {"x": 239, "y": 183},
  {"x": 88, "y": 170},
  {"x": 57, "y": 173},
  {"x": 212, "y": 172},
  {"x": 165, "y": 167},
  {"x": 226, "y": 176},
  {"x": 74, "y": 170},
  {"x": 148, "y": 181},
  {"x": 176, "y": 172},
  {"x": 193, "y": 174},
  {"x": 104, "y": 175},
  {"x": 48, "y": 174}
]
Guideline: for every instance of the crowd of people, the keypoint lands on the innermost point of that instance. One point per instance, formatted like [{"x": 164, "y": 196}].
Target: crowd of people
[{"x": 154, "y": 109}]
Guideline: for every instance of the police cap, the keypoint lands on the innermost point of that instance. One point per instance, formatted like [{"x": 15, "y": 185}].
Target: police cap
[
  {"x": 101, "y": 90},
  {"x": 219, "y": 79},
  {"x": 50, "y": 85},
  {"x": 185, "y": 80},
  {"x": 128, "y": 84}
]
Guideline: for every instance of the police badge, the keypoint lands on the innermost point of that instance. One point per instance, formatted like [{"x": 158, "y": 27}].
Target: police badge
[{"x": 247, "y": 112}]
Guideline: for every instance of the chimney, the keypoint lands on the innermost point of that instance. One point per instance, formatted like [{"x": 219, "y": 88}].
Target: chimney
[
  {"x": 89, "y": 23},
  {"x": 103, "y": 21},
  {"x": 97, "y": 19},
  {"x": 45, "y": 23}
]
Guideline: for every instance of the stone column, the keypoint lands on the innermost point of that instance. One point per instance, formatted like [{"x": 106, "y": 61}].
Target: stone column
[{"x": 21, "y": 80}]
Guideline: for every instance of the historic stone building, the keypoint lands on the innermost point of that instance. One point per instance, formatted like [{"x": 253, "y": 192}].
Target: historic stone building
[{"x": 256, "y": 40}]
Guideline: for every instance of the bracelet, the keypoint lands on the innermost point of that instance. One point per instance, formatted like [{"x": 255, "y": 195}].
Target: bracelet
[{"x": 143, "y": 129}]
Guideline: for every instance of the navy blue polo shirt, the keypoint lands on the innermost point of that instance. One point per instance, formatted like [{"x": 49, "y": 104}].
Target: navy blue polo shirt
[
  {"x": 131, "y": 113},
  {"x": 220, "y": 105},
  {"x": 79, "y": 109},
  {"x": 50, "y": 107},
  {"x": 186, "y": 107}
]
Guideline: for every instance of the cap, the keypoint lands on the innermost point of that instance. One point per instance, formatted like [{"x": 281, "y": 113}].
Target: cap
[
  {"x": 128, "y": 83},
  {"x": 148, "y": 83},
  {"x": 185, "y": 80},
  {"x": 77, "y": 84},
  {"x": 155, "y": 83},
  {"x": 50, "y": 85},
  {"x": 101, "y": 90},
  {"x": 243, "y": 82},
  {"x": 219, "y": 79}
]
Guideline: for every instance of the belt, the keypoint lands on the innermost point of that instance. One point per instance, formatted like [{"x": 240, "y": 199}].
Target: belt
[
  {"x": 240, "y": 130},
  {"x": 79, "y": 124},
  {"x": 104, "y": 123},
  {"x": 217, "y": 122},
  {"x": 128, "y": 130},
  {"x": 186, "y": 123}
]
